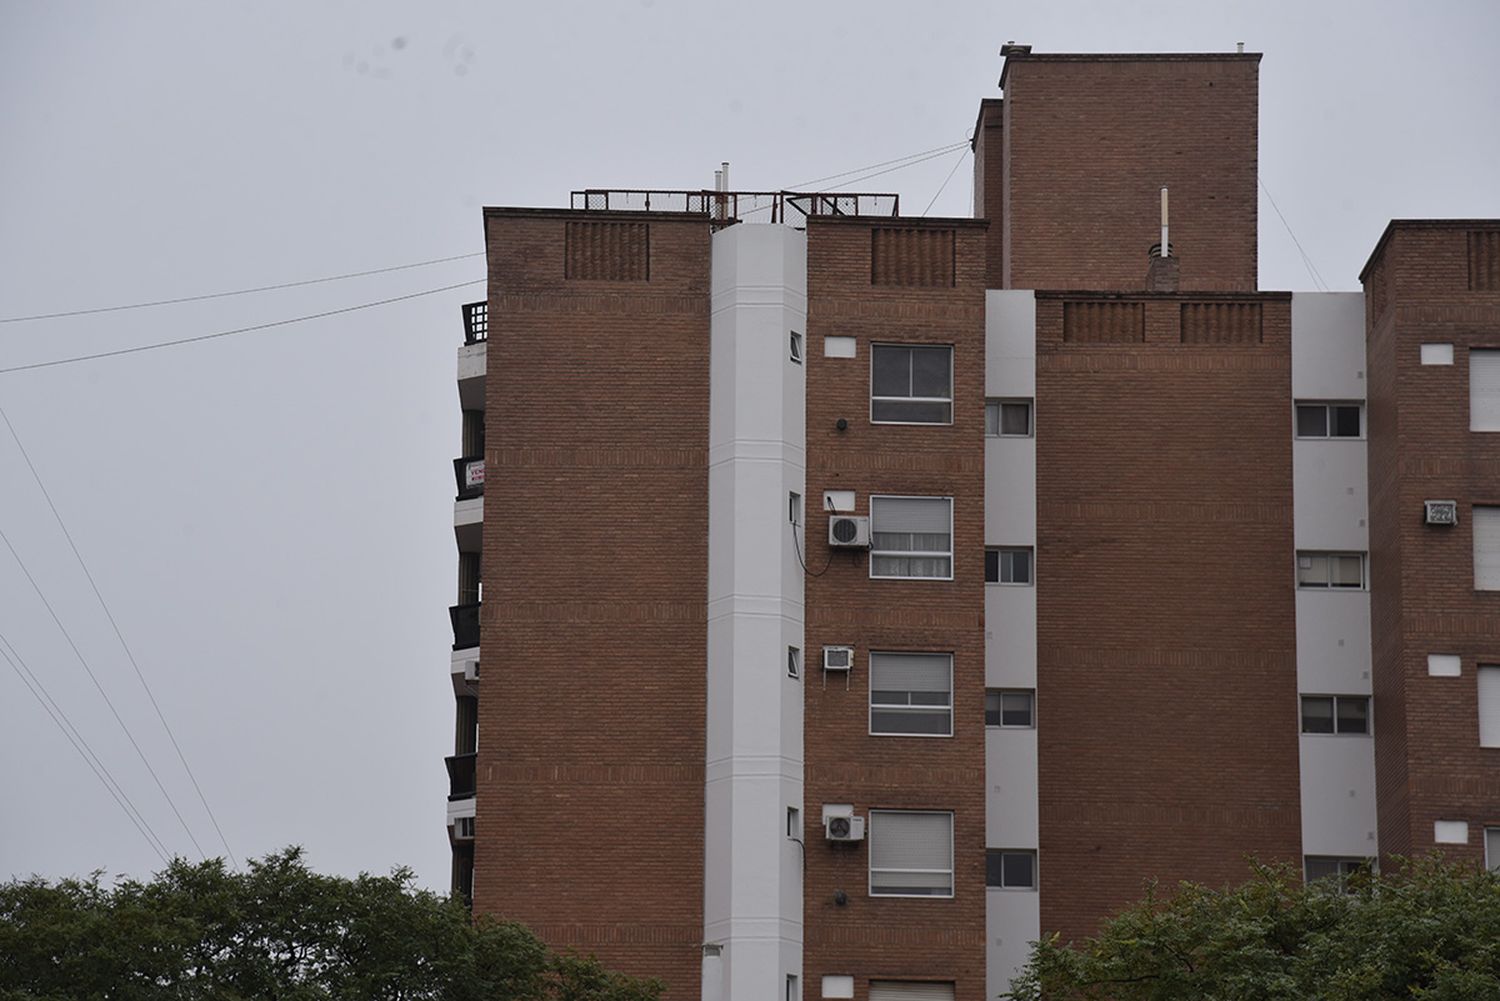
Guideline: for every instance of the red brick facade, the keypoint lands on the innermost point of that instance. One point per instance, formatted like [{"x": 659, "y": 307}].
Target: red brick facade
[
  {"x": 589, "y": 801},
  {"x": 874, "y": 937},
  {"x": 1429, "y": 765},
  {"x": 1166, "y": 651}
]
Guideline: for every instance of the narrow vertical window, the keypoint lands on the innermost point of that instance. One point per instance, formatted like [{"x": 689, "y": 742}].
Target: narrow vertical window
[
  {"x": 796, "y": 347},
  {"x": 793, "y": 662},
  {"x": 793, "y": 822}
]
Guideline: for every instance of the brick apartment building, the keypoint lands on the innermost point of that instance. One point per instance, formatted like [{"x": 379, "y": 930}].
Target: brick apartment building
[{"x": 867, "y": 595}]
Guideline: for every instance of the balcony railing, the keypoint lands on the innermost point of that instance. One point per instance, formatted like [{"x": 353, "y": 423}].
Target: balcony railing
[
  {"x": 725, "y": 207},
  {"x": 460, "y": 775},
  {"x": 465, "y": 625},
  {"x": 476, "y": 322},
  {"x": 468, "y": 471}
]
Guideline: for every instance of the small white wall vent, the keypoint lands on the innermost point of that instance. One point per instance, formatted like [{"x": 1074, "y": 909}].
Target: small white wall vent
[
  {"x": 1450, "y": 832},
  {"x": 848, "y": 531},
  {"x": 1437, "y": 354},
  {"x": 838, "y": 985},
  {"x": 1444, "y": 665},
  {"x": 1441, "y": 512},
  {"x": 838, "y": 658}
]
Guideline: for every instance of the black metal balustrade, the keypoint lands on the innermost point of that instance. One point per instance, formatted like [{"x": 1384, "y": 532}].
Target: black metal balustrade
[
  {"x": 460, "y": 775},
  {"x": 465, "y": 625}
]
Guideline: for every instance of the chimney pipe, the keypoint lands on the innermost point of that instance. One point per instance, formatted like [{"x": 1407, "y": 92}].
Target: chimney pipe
[{"x": 724, "y": 171}]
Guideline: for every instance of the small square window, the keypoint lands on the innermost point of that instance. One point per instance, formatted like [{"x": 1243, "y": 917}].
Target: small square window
[
  {"x": 1007, "y": 418},
  {"x": 911, "y": 384},
  {"x": 1010, "y": 870},
  {"x": 1341, "y": 714},
  {"x": 1330, "y": 420},
  {"x": 1007, "y": 565},
  {"x": 796, "y": 347},
  {"x": 1317, "y": 867},
  {"x": 793, "y": 662},
  {"x": 1010, "y": 707}
]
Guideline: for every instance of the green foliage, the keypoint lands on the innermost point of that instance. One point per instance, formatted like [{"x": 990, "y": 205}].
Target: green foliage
[
  {"x": 1422, "y": 931},
  {"x": 276, "y": 930}
]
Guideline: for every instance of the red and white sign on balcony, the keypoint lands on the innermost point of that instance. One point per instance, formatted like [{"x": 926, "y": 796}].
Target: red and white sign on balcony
[{"x": 474, "y": 474}]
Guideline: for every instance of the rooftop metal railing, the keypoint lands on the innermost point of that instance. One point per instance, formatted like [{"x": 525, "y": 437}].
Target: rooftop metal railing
[{"x": 725, "y": 207}]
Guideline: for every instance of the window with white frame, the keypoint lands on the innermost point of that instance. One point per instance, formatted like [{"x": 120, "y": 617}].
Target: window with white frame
[
  {"x": 1336, "y": 714},
  {"x": 911, "y": 537},
  {"x": 795, "y": 348},
  {"x": 911, "y": 384},
  {"x": 1331, "y": 570},
  {"x": 793, "y": 662},
  {"x": 792, "y": 993},
  {"x": 1007, "y": 565},
  {"x": 1487, "y": 682},
  {"x": 1316, "y": 867},
  {"x": 1492, "y": 848},
  {"x": 1010, "y": 869},
  {"x": 911, "y": 853},
  {"x": 1486, "y": 548},
  {"x": 1484, "y": 389},
  {"x": 911, "y": 694},
  {"x": 1010, "y": 707},
  {"x": 1330, "y": 420},
  {"x": 1008, "y": 418}
]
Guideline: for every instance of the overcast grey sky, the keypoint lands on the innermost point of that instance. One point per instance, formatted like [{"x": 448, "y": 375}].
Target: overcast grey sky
[{"x": 269, "y": 515}]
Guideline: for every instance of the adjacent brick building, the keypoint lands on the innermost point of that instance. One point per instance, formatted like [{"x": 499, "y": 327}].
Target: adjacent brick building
[{"x": 862, "y": 596}]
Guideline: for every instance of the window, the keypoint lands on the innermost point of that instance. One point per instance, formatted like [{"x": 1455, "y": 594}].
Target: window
[
  {"x": 911, "y": 385},
  {"x": 793, "y": 823},
  {"x": 794, "y": 508},
  {"x": 1335, "y": 570},
  {"x": 1007, "y": 418},
  {"x": 1487, "y": 548},
  {"x": 1341, "y": 714},
  {"x": 792, "y": 994},
  {"x": 796, "y": 347},
  {"x": 1330, "y": 420},
  {"x": 1316, "y": 867},
  {"x": 911, "y": 694},
  {"x": 1010, "y": 707},
  {"x": 793, "y": 662},
  {"x": 1492, "y": 848},
  {"x": 911, "y": 854},
  {"x": 911, "y": 537},
  {"x": 1009, "y": 869},
  {"x": 1484, "y": 389},
  {"x": 1488, "y": 682},
  {"x": 1007, "y": 565},
  {"x": 910, "y": 990}
]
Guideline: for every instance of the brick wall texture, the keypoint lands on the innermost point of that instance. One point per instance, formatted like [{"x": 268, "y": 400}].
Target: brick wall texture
[
  {"x": 873, "y": 937},
  {"x": 589, "y": 824},
  {"x": 1086, "y": 144},
  {"x": 1166, "y": 651},
  {"x": 1429, "y": 765}
]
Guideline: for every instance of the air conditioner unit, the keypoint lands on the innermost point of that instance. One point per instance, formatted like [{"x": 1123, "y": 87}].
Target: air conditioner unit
[
  {"x": 1441, "y": 512},
  {"x": 838, "y": 658},
  {"x": 840, "y": 823},
  {"x": 848, "y": 531}
]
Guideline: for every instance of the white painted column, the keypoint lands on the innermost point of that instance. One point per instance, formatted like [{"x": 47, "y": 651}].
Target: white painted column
[
  {"x": 1013, "y": 917},
  {"x": 757, "y": 457},
  {"x": 1330, "y": 489}
]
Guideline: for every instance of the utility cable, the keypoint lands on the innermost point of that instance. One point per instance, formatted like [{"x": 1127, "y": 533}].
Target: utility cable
[
  {"x": 901, "y": 162},
  {"x": 157, "y": 345},
  {"x": 859, "y": 170},
  {"x": 1312, "y": 269},
  {"x": 81, "y": 746},
  {"x": 961, "y": 157},
  {"x": 119, "y": 636},
  {"x": 878, "y": 173},
  {"x": 107, "y": 700},
  {"x": 242, "y": 291}
]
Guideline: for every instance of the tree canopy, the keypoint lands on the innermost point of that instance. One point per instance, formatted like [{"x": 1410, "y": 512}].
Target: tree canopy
[
  {"x": 276, "y": 930},
  {"x": 1423, "y": 930}
]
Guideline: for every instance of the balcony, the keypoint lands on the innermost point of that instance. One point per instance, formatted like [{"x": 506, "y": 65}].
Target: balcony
[
  {"x": 468, "y": 524},
  {"x": 460, "y": 776},
  {"x": 473, "y": 357},
  {"x": 465, "y": 625},
  {"x": 464, "y": 670},
  {"x": 468, "y": 471}
]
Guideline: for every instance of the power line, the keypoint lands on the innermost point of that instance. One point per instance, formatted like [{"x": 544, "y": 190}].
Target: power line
[
  {"x": 878, "y": 173},
  {"x": 1312, "y": 269},
  {"x": 857, "y": 170},
  {"x": 105, "y": 695},
  {"x": 157, "y": 345},
  {"x": 242, "y": 291},
  {"x": 119, "y": 636},
  {"x": 81, "y": 746},
  {"x": 961, "y": 157}
]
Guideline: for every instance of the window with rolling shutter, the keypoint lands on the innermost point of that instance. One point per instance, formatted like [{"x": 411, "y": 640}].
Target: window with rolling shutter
[
  {"x": 911, "y": 537},
  {"x": 1489, "y": 705},
  {"x": 1487, "y": 548},
  {"x": 910, "y": 990},
  {"x": 911, "y": 854},
  {"x": 1484, "y": 389},
  {"x": 911, "y": 694}
]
